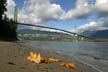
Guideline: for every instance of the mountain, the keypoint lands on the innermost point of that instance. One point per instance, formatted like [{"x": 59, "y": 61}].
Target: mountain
[
  {"x": 41, "y": 32},
  {"x": 96, "y": 34}
]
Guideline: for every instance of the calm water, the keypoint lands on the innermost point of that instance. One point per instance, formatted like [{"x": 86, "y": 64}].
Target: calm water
[
  {"x": 94, "y": 54},
  {"x": 98, "y": 49}
]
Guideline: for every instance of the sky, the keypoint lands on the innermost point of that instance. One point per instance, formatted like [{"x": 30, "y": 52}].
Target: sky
[{"x": 72, "y": 15}]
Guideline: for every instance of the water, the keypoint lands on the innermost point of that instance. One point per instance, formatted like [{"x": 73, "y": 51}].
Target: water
[{"x": 93, "y": 54}]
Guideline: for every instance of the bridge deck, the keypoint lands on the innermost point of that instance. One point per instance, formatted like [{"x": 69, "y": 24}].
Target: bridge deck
[{"x": 55, "y": 29}]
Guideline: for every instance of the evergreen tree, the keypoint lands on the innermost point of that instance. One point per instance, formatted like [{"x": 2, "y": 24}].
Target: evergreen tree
[
  {"x": 7, "y": 26},
  {"x": 2, "y": 8}
]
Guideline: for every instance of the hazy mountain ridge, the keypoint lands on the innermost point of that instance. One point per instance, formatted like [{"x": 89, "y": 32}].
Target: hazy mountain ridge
[{"x": 96, "y": 34}]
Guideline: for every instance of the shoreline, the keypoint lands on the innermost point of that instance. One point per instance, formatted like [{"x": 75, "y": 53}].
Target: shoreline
[{"x": 13, "y": 58}]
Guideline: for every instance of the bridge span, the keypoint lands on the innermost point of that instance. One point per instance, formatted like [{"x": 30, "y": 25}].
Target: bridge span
[{"x": 55, "y": 29}]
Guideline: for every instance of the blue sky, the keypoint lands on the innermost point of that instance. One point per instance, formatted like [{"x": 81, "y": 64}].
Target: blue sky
[
  {"x": 66, "y": 5},
  {"x": 19, "y": 3},
  {"x": 63, "y": 14}
]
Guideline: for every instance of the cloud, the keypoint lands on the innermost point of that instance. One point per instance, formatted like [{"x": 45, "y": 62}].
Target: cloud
[
  {"x": 81, "y": 10},
  {"x": 101, "y": 24},
  {"x": 36, "y": 11},
  {"x": 104, "y": 22},
  {"x": 101, "y": 6},
  {"x": 10, "y": 8},
  {"x": 90, "y": 26}
]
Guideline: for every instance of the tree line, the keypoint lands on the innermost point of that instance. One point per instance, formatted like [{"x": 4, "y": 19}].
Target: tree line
[{"x": 7, "y": 26}]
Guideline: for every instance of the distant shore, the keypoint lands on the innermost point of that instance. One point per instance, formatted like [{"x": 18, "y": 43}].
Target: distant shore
[
  {"x": 13, "y": 58},
  {"x": 101, "y": 39}
]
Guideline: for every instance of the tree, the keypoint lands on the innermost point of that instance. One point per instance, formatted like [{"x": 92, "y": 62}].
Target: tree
[
  {"x": 2, "y": 8},
  {"x": 7, "y": 26}
]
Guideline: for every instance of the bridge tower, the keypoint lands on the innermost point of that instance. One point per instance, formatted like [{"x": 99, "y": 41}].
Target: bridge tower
[{"x": 15, "y": 14}]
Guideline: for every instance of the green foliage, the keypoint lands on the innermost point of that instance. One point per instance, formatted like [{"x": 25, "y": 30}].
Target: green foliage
[
  {"x": 2, "y": 7},
  {"x": 7, "y": 26}
]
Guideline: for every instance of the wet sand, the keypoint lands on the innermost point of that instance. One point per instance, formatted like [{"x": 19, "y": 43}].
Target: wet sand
[{"x": 13, "y": 58}]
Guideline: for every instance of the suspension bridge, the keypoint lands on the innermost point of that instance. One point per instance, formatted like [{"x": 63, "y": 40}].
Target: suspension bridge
[
  {"x": 71, "y": 33},
  {"x": 56, "y": 29}
]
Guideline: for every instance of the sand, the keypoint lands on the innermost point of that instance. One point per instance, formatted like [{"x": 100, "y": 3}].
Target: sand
[{"x": 13, "y": 58}]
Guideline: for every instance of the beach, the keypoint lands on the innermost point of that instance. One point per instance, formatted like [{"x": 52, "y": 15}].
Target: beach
[{"x": 13, "y": 58}]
